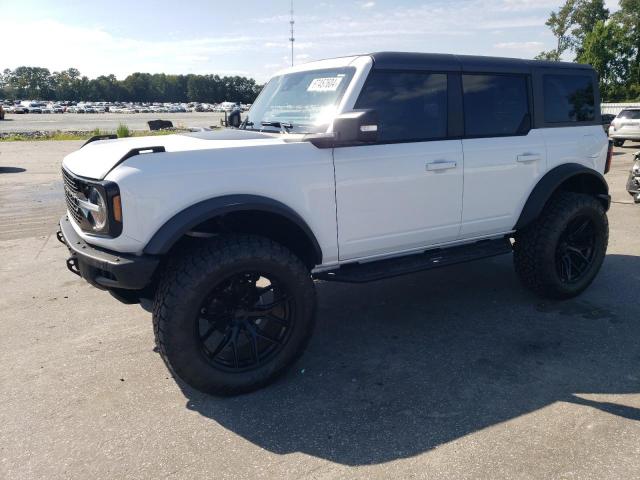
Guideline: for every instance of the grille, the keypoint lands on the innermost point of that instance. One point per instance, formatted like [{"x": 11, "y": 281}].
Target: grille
[{"x": 72, "y": 193}]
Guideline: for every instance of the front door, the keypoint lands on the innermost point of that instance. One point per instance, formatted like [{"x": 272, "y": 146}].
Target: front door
[{"x": 405, "y": 192}]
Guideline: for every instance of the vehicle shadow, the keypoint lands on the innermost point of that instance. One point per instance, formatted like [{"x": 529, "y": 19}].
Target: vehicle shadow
[
  {"x": 401, "y": 366},
  {"x": 12, "y": 170}
]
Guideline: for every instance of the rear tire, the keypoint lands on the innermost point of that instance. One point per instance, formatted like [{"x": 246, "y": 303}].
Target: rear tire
[
  {"x": 232, "y": 315},
  {"x": 559, "y": 255},
  {"x": 618, "y": 143}
]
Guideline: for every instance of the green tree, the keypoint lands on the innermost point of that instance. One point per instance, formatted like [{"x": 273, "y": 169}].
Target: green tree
[
  {"x": 31, "y": 82},
  {"x": 586, "y": 14},
  {"x": 39, "y": 83},
  {"x": 560, "y": 23},
  {"x": 606, "y": 49},
  {"x": 629, "y": 18}
]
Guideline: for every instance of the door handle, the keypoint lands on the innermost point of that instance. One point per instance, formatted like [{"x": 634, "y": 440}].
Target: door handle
[
  {"x": 528, "y": 157},
  {"x": 434, "y": 166}
]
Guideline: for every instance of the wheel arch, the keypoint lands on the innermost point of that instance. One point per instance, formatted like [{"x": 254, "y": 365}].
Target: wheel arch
[
  {"x": 233, "y": 213},
  {"x": 570, "y": 177}
]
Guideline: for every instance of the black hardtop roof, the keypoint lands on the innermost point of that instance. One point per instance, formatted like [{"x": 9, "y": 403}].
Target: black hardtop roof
[{"x": 470, "y": 63}]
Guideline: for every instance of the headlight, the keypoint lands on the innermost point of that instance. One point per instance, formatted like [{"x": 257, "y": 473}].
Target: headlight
[
  {"x": 94, "y": 205},
  {"x": 98, "y": 216}
]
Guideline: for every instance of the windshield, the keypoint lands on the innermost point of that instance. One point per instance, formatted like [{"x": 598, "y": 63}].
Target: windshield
[{"x": 302, "y": 102}]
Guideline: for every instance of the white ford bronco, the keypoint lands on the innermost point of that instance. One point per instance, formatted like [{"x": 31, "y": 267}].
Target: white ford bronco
[{"x": 352, "y": 169}]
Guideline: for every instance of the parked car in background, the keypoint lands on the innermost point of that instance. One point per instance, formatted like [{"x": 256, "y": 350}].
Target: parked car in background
[
  {"x": 20, "y": 109},
  {"x": 31, "y": 107},
  {"x": 626, "y": 126}
]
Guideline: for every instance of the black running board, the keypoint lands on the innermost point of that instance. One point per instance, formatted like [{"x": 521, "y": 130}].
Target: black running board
[{"x": 393, "y": 267}]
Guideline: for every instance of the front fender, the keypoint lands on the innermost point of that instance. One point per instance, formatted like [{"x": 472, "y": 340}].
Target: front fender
[{"x": 182, "y": 222}]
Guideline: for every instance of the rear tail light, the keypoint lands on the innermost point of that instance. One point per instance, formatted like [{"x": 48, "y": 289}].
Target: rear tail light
[{"x": 607, "y": 165}]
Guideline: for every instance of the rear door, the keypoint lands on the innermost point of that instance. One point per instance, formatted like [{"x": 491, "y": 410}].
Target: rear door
[
  {"x": 405, "y": 192},
  {"x": 503, "y": 157}
]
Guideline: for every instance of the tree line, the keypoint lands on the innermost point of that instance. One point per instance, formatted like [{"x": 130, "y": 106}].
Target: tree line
[
  {"x": 37, "y": 83},
  {"x": 590, "y": 33}
]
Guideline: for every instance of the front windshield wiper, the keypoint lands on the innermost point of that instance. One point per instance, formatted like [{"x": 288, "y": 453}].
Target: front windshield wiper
[{"x": 283, "y": 126}]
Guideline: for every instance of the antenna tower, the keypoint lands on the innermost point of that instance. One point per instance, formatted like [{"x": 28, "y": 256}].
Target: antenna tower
[{"x": 292, "y": 38}]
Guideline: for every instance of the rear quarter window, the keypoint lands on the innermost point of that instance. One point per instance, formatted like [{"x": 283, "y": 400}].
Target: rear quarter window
[{"x": 568, "y": 98}]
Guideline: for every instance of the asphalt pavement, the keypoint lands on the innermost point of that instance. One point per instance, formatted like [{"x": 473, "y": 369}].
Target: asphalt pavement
[{"x": 453, "y": 373}]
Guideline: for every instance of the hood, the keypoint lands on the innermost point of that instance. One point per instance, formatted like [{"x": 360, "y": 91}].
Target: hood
[{"x": 98, "y": 158}]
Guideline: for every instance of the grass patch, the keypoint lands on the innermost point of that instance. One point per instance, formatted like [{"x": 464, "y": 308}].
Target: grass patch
[
  {"x": 58, "y": 135},
  {"x": 123, "y": 131},
  {"x": 20, "y": 137}
]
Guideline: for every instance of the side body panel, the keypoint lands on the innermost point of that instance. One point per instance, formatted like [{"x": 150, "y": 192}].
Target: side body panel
[
  {"x": 499, "y": 174},
  {"x": 156, "y": 187},
  {"x": 585, "y": 145}
]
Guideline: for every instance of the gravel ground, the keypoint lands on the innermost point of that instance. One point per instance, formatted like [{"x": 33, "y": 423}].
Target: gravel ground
[
  {"x": 454, "y": 373},
  {"x": 104, "y": 121}
]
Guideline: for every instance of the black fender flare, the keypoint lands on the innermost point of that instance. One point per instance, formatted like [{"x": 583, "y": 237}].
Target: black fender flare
[
  {"x": 185, "y": 220},
  {"x": 552, "y": 180}
]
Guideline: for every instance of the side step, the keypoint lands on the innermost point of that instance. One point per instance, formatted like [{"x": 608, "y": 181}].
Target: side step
[{"x": 392, "y": 267}]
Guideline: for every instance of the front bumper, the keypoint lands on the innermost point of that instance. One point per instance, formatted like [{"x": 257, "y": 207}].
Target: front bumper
[{"x": 104, "y": 269}]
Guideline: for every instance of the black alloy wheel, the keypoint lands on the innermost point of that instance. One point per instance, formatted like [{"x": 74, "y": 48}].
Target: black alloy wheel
[
  {"x": 244, "y": 321},
  {"x": 576, "y": 249}
]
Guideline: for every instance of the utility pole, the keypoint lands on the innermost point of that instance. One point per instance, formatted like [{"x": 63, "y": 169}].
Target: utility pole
[{"x": 291, "y": 38}]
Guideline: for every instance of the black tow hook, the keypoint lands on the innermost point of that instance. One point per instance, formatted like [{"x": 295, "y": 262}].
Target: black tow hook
[
  {"x": 72, "y": 265},
  {"x": 60, "y": 237}
]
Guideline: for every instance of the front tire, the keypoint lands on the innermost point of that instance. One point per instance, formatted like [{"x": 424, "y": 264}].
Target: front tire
[
  {"x": 559, "y": 255},
  {"x": 618, "y": 143},
  {"x": 232, "y": 315}
]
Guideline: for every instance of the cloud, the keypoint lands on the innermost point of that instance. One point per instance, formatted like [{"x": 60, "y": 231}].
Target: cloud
[
  {"x": 520, "y": 46},
  {"x": 96, "y": 51},
  {"x": 367, "y": 4}
]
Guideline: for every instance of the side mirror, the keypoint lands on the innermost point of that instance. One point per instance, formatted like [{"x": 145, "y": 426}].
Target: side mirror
[{"x": 355, "y": 127}]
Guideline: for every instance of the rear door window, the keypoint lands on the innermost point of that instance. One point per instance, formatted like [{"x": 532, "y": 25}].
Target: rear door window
[
  {"x": 411, "y": 106},
  {"x": 495, "y": 105},
  {"x": 568, "y": 98}
]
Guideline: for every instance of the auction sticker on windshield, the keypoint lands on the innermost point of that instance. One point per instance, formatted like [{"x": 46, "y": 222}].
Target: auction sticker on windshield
[{"x": 326, "y": 84}]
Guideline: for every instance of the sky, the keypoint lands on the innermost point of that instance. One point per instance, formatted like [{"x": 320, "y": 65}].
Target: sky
[{"x": 250, "y": 37}]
